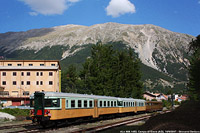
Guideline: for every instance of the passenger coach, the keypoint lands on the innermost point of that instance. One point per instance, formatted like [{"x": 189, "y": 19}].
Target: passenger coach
[{"x": 53, "y": 106}]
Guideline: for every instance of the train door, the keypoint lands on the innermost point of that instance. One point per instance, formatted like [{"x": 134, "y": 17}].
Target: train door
[
  {"x": 95, "y": 108},
  {"x": 39, "y": 104}
]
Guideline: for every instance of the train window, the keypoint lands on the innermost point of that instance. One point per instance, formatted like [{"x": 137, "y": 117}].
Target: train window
[
  {"x": 72, "y": 103},
  {"x": 85, "y": 103},
  {"x": 111, "y": 103},
  {"x": 108, "y": 103},
  {"x": 52, "y": 103},
  {"x": 127, "y": 104},
  {"x": 115, "y": 103},
  {"x": 133, "y": 104},
  {"x": 66, "y": 104},
  {"x": 120, "y": 103},
  {"x": 90, "y": 103},
  {"x": 124, "y": 104},
  {"x": 104, "y": 103},
  {"x": 101, "y": 104},
  {"x": 79, "y": 104}
]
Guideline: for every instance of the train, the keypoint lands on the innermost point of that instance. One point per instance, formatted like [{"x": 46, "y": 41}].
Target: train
[{"x": 57, "y": 106}]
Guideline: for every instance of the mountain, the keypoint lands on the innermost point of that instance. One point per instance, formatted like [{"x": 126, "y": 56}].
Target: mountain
[{"x": 163, "y": 53}]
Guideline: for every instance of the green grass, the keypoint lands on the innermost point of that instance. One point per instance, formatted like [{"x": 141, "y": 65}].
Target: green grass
[{"x": 16, "y": 112}]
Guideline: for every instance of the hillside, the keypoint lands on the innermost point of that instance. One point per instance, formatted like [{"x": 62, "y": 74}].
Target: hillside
[{"x": 163, "y": 53}]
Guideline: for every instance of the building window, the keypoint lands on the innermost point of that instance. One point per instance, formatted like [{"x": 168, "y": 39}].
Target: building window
[
  {"x": 41, "y": 82},
  {"x": 37, "y": 73},
  {"x": 3, "y": 82},
  {"x": 4, "y": 74},
  {"x": 14, "y": 74},
  {"x": 4, "y": 93},
  {"x": 28, "y": 73},
  {"x": 30, "y": 64},
  {"x": 41, "y": 73},
  {"x": 50, "y": 73},
  {"x": 9, "y": 64},
  {"x": 14, "y": 83},
  {"x": 41, "y": 64},
  {"x": 22, "y": 82},
  {"x": 19, "y": 64},
  {"x": 22, "y": 73},
  {"x": 26, "y": 93},
  {"x": 50, "y": 82},
  {"x": 28, "y": 83},
  {"x": 37, "y": 82},
  {"x": 53, "y": 64}
]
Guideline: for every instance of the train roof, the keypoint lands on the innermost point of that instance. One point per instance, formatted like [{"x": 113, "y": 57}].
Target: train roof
[{"x": 60, "y": 94}]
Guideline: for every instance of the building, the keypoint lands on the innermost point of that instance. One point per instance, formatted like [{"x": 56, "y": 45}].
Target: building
[
  {"x": 161, "y": 97},
  {"x": 158, "y": 96},
  {"x": 20, "y": 78},
  {"x": 149, "y": 96}
]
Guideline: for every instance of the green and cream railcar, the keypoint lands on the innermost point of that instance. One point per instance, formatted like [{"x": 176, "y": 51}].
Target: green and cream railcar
[
  {"x": 57, "y": 106},
  {"x": 131, "y": 105}
]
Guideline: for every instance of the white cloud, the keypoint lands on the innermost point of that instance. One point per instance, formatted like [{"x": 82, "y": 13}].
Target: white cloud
[
  {"x": 33, "y": 13},
  {"x": 120, "y": 7},
  {"x": 48, "y": 7},
  {"x": 73, "y": 1}
]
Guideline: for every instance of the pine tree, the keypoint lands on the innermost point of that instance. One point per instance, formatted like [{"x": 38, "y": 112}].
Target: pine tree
[
  {"x": 69, "y": 80},
  {"x": 112, "y": 73},
  {"x": 194, "y": 70}
]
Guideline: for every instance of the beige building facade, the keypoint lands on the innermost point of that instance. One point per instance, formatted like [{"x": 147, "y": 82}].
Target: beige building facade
[{"x": 20, "y": 78}]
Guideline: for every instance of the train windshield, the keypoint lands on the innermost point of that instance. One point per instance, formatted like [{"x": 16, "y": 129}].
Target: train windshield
[
  {"x": 47, "y": 102},
  {"x": 51, "y": 102}
]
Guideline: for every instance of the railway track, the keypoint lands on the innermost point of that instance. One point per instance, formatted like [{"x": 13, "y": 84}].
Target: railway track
[
  {"x": 30, "y": 128},
  {"x": 112, "y": 125}
]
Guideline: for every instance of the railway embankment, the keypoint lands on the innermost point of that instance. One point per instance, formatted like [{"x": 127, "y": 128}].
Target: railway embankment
[{"x": 184, "y": 118}]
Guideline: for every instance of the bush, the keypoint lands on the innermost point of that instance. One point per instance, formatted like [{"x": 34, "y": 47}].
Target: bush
[
  {"x": 167, "y": 104},
  {"x": 16, "y": 112}
]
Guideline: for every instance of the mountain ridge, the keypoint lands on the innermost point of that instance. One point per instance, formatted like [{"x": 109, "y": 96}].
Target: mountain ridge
[{"x": 158, "y": 48}]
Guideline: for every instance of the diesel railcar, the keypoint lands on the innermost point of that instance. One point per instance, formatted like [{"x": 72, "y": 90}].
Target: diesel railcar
[{"x": 54, "y": 106}]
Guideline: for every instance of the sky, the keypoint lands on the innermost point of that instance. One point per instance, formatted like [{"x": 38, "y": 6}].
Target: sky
[{"x": 181, "y": 16}]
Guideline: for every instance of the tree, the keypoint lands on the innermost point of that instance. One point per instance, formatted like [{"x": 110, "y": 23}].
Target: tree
[
  {"x": 69, "y": 80},
  {"x": 112, "y": 73},
  {"x": 128, "y": 75},
  {"x": 194, "y": 70},
  {"x": 96, "y": 73}
]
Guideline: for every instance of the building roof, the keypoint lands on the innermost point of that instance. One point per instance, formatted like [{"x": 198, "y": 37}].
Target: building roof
[
  {"x": 150, "y": 94},
  {"x": 32, "y": 61},
  {"x": 29, "y": 60},
  {"x": 29, "y": 67}
]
